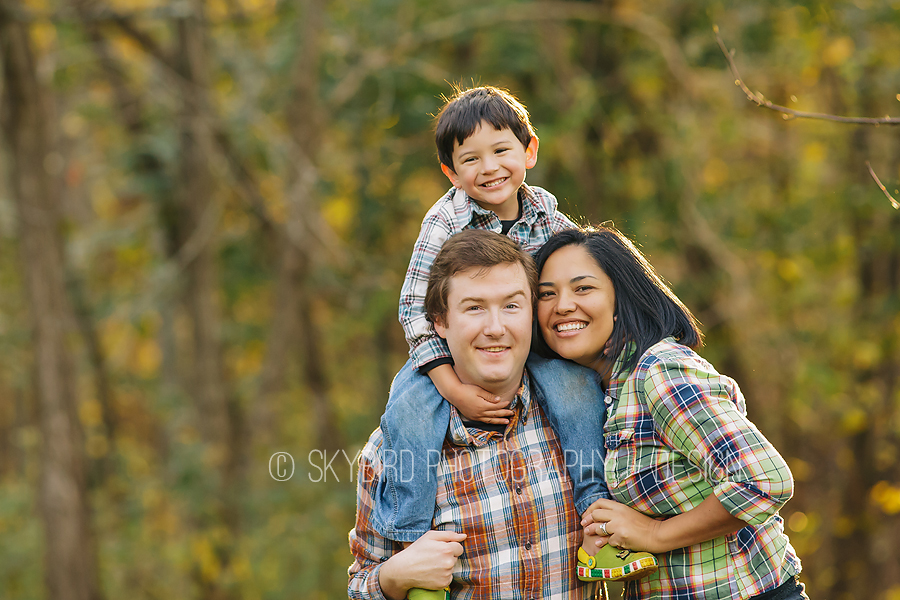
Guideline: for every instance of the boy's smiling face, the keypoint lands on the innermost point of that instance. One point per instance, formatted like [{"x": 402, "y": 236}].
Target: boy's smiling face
[{"x": 490, "y": 166}]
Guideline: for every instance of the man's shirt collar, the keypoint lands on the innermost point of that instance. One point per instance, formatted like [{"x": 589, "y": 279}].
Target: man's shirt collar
[{"x": 460, "y": 435}]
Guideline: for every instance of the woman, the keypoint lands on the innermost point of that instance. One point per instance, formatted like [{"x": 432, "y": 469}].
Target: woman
[{"x": 692, "y": 479}]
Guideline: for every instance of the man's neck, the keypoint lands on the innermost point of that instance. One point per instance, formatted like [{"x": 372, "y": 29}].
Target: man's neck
[{"x": 506, "y": 392}]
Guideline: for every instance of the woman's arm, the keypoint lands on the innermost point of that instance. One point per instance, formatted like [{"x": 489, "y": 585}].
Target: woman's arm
[{"x": 635, "y": 531}]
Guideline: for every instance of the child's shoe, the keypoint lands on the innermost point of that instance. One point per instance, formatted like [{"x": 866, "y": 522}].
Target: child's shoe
[
  {"x": 612, "y": 564},
  {"x": 420, "y": 594}
]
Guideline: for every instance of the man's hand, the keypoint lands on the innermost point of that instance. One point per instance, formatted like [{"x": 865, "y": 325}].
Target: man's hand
[
  {"x": 472, "y": 402},
  {"x": 427, "y": 563}
]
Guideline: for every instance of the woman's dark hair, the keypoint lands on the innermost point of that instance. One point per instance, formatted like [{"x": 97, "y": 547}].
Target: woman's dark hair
[{"x": 647, "y": 310}]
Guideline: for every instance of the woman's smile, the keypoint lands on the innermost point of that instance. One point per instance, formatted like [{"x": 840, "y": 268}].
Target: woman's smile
[{"x": 576, "y": 306}]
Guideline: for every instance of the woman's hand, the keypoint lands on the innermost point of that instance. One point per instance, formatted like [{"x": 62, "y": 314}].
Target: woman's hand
[
  {"x": 625, "y": 527},
  {"x": 630, "y": 529}
]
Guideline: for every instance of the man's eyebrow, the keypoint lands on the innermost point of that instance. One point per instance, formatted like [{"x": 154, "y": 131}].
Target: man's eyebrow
[
  {"x": 573, "y": 280},
  {"x": 475, "y": 299}
]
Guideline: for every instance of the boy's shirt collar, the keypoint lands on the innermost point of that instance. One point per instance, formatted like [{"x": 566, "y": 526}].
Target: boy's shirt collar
[{"x": 467, "y": 209}]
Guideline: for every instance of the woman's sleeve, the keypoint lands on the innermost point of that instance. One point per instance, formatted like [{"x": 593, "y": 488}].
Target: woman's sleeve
[{"x": 701, "y": 414}]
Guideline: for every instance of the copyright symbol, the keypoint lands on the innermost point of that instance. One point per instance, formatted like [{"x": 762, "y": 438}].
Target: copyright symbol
[{"x": 278, "y": 466}]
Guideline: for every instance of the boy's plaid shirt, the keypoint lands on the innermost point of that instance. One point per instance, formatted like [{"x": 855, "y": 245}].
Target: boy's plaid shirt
[
  {"x": 512, "y": 497},
  {"x": 454, "y": 212},
  {"x": 676, "y": 432}
]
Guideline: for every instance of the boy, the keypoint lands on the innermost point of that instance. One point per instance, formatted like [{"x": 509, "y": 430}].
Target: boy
[{"x": 485, "y": 144}]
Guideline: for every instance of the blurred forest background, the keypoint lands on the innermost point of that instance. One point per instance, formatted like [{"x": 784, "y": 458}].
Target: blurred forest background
[{"x": 207, "y": 208}]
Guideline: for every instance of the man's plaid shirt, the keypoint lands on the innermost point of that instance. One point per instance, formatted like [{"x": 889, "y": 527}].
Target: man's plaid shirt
[
  {"x": 454, "y": 212},
  {"x": 676, "y": 432},
  {"x": 512, "y": 497}
]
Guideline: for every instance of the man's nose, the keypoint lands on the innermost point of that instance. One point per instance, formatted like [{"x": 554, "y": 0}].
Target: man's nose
[{"x": 494, "y": 325}]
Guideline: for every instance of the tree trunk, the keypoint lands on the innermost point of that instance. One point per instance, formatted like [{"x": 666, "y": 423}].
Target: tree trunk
[
  {"x": 70, "y": 558},
  {"x": 305, "y": 120},
  {"x": 217, "y": 410}
]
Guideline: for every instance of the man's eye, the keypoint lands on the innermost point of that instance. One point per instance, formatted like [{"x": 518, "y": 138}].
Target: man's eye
[{"x": 512, "y": 306}]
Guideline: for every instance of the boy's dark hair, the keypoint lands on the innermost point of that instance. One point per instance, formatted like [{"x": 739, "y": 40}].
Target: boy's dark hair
[
  {"x": 468, "y": 249},
  {"x": 464, "y": 112},
  {"x": 647, "y": 310}
]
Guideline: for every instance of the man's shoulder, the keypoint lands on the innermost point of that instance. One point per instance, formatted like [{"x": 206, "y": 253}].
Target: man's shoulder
[{"x": 372, "y": 451}]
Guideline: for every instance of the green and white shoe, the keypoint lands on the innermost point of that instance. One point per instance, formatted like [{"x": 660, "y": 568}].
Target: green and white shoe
[{"x": 612, "y": 564}]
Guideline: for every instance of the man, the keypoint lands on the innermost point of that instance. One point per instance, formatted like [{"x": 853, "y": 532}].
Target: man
[{"x": 504, "y": 522}]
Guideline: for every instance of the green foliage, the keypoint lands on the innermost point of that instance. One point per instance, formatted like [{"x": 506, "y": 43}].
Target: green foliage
[{"x": 771, "y": 230}]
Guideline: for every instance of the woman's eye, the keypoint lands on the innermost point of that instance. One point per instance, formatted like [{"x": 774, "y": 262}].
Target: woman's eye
[
  {"x": 544, "y": 295},
  {"x": 584, "y": 288}
]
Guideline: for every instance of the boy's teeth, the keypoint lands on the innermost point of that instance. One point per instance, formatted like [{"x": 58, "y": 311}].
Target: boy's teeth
[
  {"x": 495, "y": 183},
  {"x": 495, "y": 349},
  {"x": 570, "y": 326}
]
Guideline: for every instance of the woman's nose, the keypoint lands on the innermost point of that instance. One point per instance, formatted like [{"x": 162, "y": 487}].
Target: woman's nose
[{"x": 565, "y": 302}]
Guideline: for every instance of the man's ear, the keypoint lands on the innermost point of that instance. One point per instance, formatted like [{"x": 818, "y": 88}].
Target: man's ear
[
  {"x": 453, "y": 177},
  {"x": 440, "y": 327},
  {"x": 531, "y": 152}
]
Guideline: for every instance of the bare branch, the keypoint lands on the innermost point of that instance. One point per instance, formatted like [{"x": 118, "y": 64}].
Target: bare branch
[
  {"x": 789, "y": 113},
  {"x": 894, "y": 203},
  {"x": 442, "y": 29}
]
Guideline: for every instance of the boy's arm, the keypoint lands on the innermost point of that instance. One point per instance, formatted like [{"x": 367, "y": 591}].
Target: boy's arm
[
  {"x": 472, "y": 402},
  {"x": 424, "y": 343}
]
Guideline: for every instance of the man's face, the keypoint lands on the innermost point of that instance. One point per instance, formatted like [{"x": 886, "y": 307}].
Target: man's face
[{"x": 488, "y": 325}]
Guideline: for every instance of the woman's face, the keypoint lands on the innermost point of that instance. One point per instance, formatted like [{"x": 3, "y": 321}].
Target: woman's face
[{"x": 576, "y": 306}]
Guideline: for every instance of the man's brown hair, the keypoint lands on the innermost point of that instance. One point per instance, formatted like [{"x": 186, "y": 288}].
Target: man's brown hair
[{"x": 472, "y": 248}]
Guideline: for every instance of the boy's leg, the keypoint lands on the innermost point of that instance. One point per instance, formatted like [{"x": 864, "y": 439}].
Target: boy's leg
[
  {"x": 414, "y": 426},
  {"x": 573, "y": 400}
]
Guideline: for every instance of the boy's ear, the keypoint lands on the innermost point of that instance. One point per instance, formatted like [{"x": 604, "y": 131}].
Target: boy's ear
[
  {"x": 453, "y": 177},
  {"x": 531, "y": 152}
]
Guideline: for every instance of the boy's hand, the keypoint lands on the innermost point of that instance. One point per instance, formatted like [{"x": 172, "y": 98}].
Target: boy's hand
[
  {"x": 476, "y": 404},
  {"x": 472, "y": 402}
]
